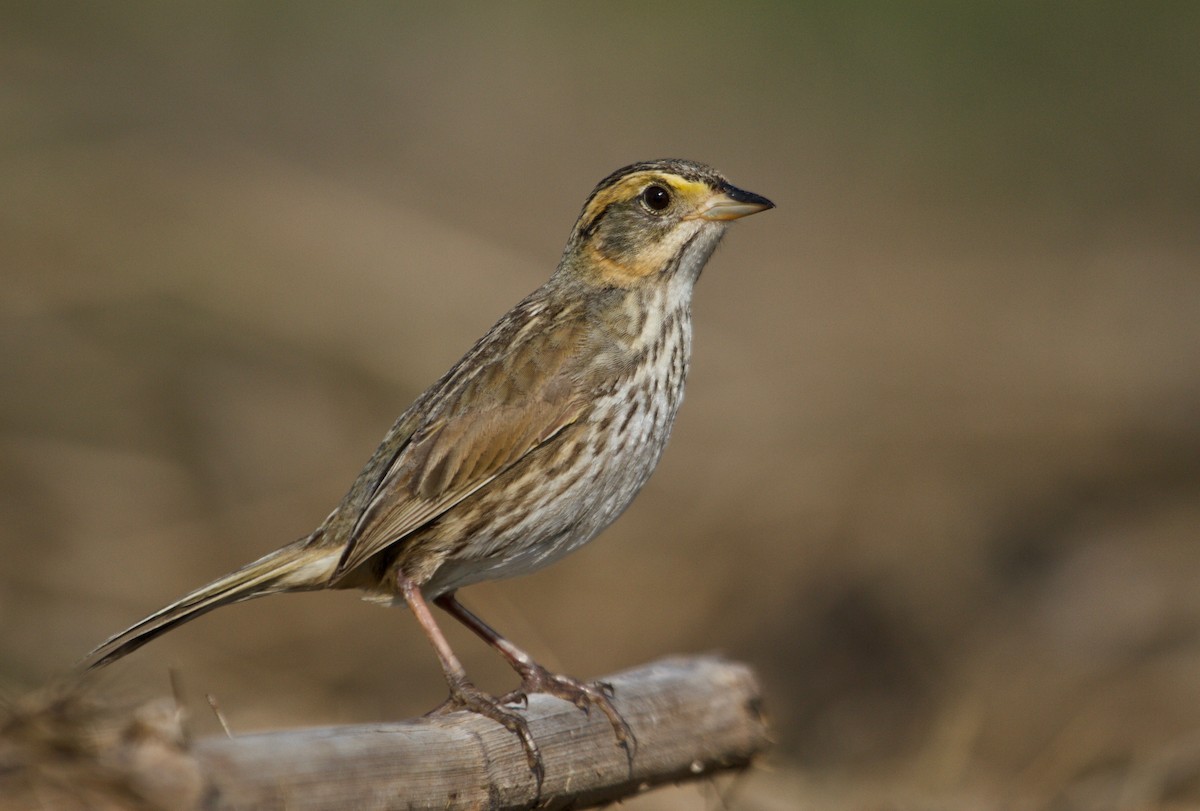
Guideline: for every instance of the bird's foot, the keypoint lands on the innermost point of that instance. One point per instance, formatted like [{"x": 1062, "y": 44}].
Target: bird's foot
[
  {"x": 584, "y": 695},
  {"x": 466, "y": 696}
]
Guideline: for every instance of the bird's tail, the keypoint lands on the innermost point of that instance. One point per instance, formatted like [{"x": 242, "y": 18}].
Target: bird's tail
[{"x": 296, "y": 567}]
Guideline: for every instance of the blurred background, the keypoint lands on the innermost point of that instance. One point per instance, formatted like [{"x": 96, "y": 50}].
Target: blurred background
[{"x": 938, "y": 475}]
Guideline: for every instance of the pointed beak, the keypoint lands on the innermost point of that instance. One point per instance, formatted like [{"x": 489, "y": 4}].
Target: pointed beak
[{"x": 731, "y": 203}]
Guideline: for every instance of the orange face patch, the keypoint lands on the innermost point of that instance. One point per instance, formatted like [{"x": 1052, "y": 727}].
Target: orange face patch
[{"x": 659, "y": 247}]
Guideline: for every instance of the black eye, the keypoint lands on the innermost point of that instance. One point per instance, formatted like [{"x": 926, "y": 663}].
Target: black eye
[{"x": 656, "y": 198}]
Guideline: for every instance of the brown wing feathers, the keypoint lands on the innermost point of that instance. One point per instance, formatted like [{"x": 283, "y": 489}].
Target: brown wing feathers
[{"x": 517, "y": 402}]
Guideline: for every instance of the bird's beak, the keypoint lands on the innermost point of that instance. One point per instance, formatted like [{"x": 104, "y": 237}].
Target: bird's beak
[{"x": 730, "y": 203}]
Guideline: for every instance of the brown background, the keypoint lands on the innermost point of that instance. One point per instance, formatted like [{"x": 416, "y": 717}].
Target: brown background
[{"x": 938, "y": 476}]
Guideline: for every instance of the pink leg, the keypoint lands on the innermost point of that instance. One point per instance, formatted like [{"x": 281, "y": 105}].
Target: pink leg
[
  {"x": 536, "y": 679},
  {"x": 463, "y": 694}
]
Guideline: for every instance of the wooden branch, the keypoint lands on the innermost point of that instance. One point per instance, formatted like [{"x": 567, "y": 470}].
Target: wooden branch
[{"x": 691, "y": 717}]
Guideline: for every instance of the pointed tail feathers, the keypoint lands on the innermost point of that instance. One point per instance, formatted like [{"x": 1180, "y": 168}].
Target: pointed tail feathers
[{"x": 292, "y": 568}]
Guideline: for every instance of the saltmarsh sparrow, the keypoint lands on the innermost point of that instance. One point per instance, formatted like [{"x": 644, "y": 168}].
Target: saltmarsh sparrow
[{"x": 529, "y": 446}]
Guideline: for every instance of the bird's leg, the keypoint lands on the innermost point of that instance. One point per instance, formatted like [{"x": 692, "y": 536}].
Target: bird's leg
[
  {"x": 537, "y": 679},
  {"x": 464, "y": 694}
]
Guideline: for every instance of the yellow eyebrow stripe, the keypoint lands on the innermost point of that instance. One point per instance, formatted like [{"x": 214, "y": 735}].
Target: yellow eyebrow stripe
[
  {"x": 689, "y": 188},
  {"x": 629, "y": 186}
]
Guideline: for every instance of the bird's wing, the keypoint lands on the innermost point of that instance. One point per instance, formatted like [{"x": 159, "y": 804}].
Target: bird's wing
[{"x": 479, "y": 430}]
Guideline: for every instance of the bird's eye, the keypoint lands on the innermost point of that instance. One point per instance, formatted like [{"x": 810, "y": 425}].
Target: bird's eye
[{"x": 656, "y": 198}]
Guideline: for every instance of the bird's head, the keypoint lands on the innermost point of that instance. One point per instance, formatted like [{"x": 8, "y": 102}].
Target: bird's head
[{"x": 654, "y": 219}]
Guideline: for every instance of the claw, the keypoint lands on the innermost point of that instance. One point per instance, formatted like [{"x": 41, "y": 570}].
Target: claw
[
  {"x": 466, "y": 696},
  {"x": 517, "y": 698},
  {"x": 583, "y": 695}
]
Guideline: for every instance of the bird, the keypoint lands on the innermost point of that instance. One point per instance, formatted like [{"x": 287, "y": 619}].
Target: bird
[{"x": 529, "y": 446}]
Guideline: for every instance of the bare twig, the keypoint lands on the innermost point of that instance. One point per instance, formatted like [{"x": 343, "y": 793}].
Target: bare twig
[
  {"x": 691, "y": 716},
  {"x": 64, "y": 748}
]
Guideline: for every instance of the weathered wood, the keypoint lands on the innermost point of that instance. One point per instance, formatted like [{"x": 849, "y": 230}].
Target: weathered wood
[{"x": 691, "y": 716}]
